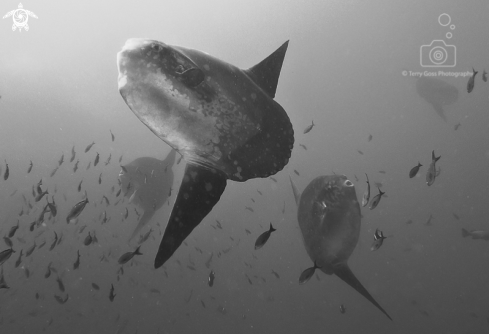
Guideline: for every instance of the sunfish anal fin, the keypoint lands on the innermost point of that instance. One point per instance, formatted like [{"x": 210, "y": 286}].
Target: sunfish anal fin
[
  {"x": 200, "y": 190},
  {"x": 345, "y": 273},
  {"x": 439, "y": 110}
]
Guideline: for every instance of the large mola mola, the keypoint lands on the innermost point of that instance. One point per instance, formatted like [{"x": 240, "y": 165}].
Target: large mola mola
[
  {"x": 329, "y": 218},
  {"x": 147, "y": 183},
  {"x": 221, "y": 119}
]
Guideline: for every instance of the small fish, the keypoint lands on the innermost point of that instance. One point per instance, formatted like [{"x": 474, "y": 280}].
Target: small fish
[
  {"x": 108, "y": 159},
  {"x": 88, "y": 240},
  {"x": 309, "y": 128},
  {"x": 111, "y": 294},
  {"x": 249, "y": 209},
  {"x": 40, "y": 196},
  {"x": 145, "y": 237},
  {"x": 13, "y": 229},
  {"x": 296, "y": 172},
  {"x": 97, "y": 159},
  {"x": 8, "y": 242},
  {"x": 275, "y": 274},
  {"x": 31, "y": 249},
  {"x": 211, "y": 278},
  {"x": 126, "y": 214},
  {"x": 54, "y": 242},
  {"x": 77, "y": 262},
  {"x": 378, "y": 240},
  {"x": 360, "y": 152},
  {"x": 54, "y": 171},
  {"x": 428, "y": 222},
  {"x": 61, "y": 300},
  {"x": 6, "y": 174},
  {"x": 112, "y": 135},
  {"x": 76, "y": 210},
  {"x": 454, "y": 215},
  {"x": 106, "y": 200},
  {"x": 484, "y": 76},
  {"x": 48, "y": 270},
  {"x": 73, "y": 153},
  {"x": 61, "y": 286},
  {"x": 5, "y": 255},
  {"x": 369, "y": 138},
  {"x": 382, "y": 171},
  {"x": 366, "y": 194},
  {"x": 303, "y": 146},
  {"x": 262, "y": 239},
  {"x": 61, "y": 160},
  {"x": 52, "y": 207},
  {"x": 456, "y": 126},
  {"x": 476, "y": 234},
  {"x": 471, "y": 82},
  {"x": 3, "y": 284},
  {"x": 100, "y": 179},
  {"x": 129, "y": 255},
  {"x": 30, "y": 167},
  {"x": 89, "y": 147},
  {"x": 414, "y": 171},
  {"x": 431, "y": 173},
  {"x": 79, "y": 185},
  {"x": 342, "y": 309},
  {"x": 95, "y": 286},
  {"x": 89, "y": 165},
  {"x": 376, "y": 199},
  {"x": 19, "y": 259},
  {"x": 308, "y": 273},
  {"x": 75, "y": 168}
]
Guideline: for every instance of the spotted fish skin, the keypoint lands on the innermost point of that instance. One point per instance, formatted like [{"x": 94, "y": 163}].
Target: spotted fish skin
[{"x": 223, "y": 120}]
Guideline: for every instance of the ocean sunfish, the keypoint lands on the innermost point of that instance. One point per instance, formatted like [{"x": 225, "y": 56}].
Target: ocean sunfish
[
  {"x": 329, "y": 218},
  {"x": 223, "y": 120},
  {"x": 437, "y": 92},
  {"x": 147, "y": 183}
]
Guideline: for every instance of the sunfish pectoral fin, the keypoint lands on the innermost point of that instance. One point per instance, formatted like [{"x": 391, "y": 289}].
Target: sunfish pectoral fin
[
  {"x": 439, "y": 110},
  {"x": 344, "y": 272},
  {"x": 297, "y": 194},
  {"x": 200, "y": 190},
  {"x": 148, "y": 214}
]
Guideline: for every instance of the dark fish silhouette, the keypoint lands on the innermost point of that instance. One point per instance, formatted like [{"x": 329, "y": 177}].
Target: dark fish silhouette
[
  {"x": 76, "y": 210},
  {"x": 73, "y": 154},
  {"x": 329, "y": 218},
  {"x": 7, "y": 172},
  {"x": 5, "y": 255},
  {"x": 378, "y": 240},
  {"x": 432, "y": 173},
  {"x": 484, "y": 76},
  {"x": 437, "y": 92},
  {"x": 263, "y": 238},
  {"x": 376, "y": 199},
  {"x": 150, "y": 180},
  {"x": 112, "y": 294},
  {"x": 309, "y": 128},
  {"x": 414, "y": 171},
  {"x": 211, "y": 278},
  {"x": 126, "y": 257},
  {"x": 112, "y": 135},
  {"x": 307, "y": 274},
  {"x": 97, "y": 159},
  {"x": 366, "y": 194},
  {"x": 30, "y": 167},
  {"x": 471, "y": 82},
  {"x": 88, "y": 147},
  {"x": 221, "y": 119}
]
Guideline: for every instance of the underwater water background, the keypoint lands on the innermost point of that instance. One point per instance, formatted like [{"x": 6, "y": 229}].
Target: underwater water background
[{"x": 344, "y": 70}]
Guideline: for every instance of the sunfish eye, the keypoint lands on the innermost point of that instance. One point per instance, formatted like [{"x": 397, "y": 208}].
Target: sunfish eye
[{"x": 348, "y": 183}]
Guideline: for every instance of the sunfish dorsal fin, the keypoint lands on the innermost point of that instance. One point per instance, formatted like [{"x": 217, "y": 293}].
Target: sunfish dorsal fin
[
  {"x": 297, "y": 194},
  {"x": 344, "y": 272},
  {"x": 266, "y": 73}
]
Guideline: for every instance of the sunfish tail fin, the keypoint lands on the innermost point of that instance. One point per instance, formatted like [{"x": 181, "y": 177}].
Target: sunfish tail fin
[
  {"x": 297, "y": 194},
  {"x": 200, "y": 190},
  {"x": 345, "y": 273},
  {"x": 148, "y": 214}
]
